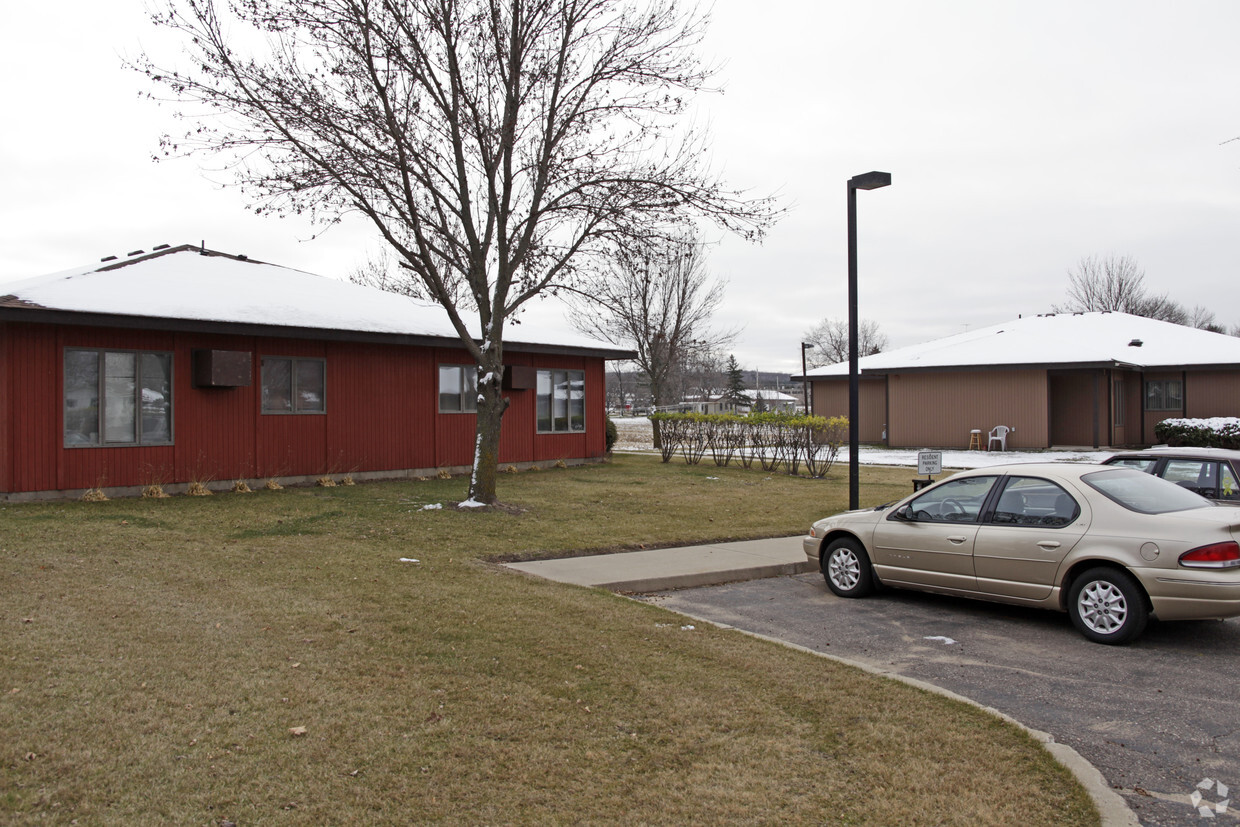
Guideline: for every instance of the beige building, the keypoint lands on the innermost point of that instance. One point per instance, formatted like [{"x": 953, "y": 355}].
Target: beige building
[{"x": 1068, "y": 379}]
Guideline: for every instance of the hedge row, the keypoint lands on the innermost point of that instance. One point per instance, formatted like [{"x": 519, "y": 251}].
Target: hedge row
[
  {"x": 1218, "y": 432},
  {"x": 771, "y": 439}
]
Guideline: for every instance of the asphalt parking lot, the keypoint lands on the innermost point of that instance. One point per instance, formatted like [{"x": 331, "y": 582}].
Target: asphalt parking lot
[{"x": 1157, "y": 718}]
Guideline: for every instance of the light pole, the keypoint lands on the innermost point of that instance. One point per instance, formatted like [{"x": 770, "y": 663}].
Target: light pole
[
  {"x": 865, "y": 181},
  {"x": 805, "y": 379}
]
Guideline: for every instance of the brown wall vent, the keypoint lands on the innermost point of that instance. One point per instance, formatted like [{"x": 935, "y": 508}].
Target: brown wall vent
[
  {"x": 520, "y": 378},
  {"x": 222, "y": 369}
]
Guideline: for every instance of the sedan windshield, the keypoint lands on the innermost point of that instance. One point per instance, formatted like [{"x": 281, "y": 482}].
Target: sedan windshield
[{"x": 1143, "y": 493}]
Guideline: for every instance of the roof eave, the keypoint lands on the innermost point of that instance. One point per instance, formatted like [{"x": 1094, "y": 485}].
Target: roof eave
[{"x": 20, "y": 312}]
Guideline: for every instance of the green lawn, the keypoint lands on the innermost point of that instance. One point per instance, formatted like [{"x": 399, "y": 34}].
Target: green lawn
[{"x": 160, "y": 657}]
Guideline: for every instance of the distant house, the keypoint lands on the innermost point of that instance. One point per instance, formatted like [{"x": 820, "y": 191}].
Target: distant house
[
  {"x": 1084, "y": 379},
  {"x": 187, "y": 365},
  {"x": 773, "y": 401}
]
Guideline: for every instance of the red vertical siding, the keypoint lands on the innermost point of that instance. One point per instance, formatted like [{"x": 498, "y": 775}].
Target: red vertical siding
[
  {"x": 516, "y": 442},
  {"x": 6, "y": 395},
  {"x": 291, "y": 444},
  {"x": 35, "y": 405},
  {"x": 216, "y": 428},
  {"x": 454, "y": 433},
  {"x": 381, "y": 414},
  {"x": 381, "y": 408}
]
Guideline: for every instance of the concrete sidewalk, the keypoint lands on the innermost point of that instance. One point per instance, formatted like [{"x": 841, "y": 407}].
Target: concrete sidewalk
[{"x": 677, "y": 568}]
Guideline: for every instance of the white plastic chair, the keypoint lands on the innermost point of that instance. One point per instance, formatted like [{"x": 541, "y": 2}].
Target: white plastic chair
[{"x": 998, "y": 434}]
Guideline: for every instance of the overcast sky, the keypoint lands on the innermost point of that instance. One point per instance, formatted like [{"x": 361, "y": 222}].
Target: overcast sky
[{"x": 1020, "y": 137}]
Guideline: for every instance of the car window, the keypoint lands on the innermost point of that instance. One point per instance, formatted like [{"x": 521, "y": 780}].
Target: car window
[
  {"x": 1229, "y": 489},
  {"x": 954, "y": 501},
  {"x": 1031, "y": 501},
  {"x": 1145, "y": 464},
  {"x": 1143, "y": 493},
  {"x": 1196, "y": 475}
]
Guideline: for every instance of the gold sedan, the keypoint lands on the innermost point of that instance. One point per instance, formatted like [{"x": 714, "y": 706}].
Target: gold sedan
[{"x": 1110, "y": 546}]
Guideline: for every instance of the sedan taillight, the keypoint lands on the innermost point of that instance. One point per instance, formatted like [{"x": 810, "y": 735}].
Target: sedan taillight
[{"x": 1214, "y": 556}]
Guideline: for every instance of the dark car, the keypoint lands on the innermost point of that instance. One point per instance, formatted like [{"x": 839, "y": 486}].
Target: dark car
[{"x": 1213, "y": 473}]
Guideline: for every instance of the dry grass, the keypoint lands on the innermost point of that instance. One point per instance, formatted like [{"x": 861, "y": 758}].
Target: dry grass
[{"x": 159, "y": 654}]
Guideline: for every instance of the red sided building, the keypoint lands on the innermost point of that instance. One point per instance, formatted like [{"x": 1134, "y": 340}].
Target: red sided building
[{"x": 187, "y": 365}]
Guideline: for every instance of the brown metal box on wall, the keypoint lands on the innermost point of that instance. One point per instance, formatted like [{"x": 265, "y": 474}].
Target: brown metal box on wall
[
  {"x": 222, "y": 369},
  {"x": 520, "y": 378}
]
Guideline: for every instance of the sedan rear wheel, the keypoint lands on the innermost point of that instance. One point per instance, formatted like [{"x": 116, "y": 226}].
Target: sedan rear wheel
[
  {"x": 1107, "y": 606},
  {"x": 846, "y": 567}
]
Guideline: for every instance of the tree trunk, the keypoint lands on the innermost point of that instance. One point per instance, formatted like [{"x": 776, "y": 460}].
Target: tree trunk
[{"x": 491, "y": 407}]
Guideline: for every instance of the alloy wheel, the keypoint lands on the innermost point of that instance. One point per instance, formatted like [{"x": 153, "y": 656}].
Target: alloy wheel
[{"x": 1102, "y": 607}]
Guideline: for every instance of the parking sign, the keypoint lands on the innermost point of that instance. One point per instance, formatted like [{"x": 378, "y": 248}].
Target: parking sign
[{"x": 929, "y": 462}]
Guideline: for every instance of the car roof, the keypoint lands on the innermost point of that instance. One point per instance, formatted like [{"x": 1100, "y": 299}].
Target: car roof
[
  {"x": 1167, "y": 452},
  {"x": 1071, "y": 470}
]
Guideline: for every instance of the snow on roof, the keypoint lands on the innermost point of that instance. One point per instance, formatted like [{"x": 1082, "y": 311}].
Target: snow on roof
[
  {"x": 191, "y": 284},
  {"x": 777, "y": 396},
  {"x": 1062, "y": 339}
]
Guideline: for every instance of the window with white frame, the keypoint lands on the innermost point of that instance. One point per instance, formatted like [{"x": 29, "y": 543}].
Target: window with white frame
[
  {"x": 117, "y": 397},
  {"x": 1164, "y": 395},
  {"x": 458, "y": 389},
  {"x": 294, "y": 386},
  {"x": 561, "y": 403}
]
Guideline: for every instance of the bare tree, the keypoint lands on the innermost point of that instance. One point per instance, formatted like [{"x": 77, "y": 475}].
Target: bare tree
[
  {"x": 658, "y": 298},
  {"x": 1117, "y": 283},
  {"x": 830, "y": 341},
  {"x": 1203, "y": 318},
  {"x": 497, "y": 148},
  {"x": 704, "y": 373}
]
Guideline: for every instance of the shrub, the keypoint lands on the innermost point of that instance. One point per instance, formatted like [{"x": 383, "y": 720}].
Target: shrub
[
  {"x": 612, "y": 435},
  {"x": 1217, "y": 432},
  {"x": 775, "y": 439},
  {"x": 198, "y": 489}
]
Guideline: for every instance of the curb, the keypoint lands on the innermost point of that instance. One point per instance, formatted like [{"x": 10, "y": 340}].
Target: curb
[{"x": 708, "y": 578}]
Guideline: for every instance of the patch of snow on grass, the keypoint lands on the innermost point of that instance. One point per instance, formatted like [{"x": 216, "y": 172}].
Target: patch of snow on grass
[{"x": 635, "y": 435}]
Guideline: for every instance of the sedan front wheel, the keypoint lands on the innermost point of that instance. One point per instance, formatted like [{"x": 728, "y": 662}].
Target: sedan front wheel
[
  {"x": 1107, "y": 606},
  {"x": 846, "y": 567}
]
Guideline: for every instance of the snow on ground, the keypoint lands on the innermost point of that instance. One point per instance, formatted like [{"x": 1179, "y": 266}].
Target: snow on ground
[{"x": 635, "y": 437}]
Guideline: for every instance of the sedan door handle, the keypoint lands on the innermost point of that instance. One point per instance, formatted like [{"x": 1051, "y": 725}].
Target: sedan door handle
[
  {"x": 957, "y": 540},
  {"x": 1048, "y": 544}
]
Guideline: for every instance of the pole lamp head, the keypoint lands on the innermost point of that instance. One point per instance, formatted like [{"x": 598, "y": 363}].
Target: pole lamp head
[{"x": 870, "y": 181}]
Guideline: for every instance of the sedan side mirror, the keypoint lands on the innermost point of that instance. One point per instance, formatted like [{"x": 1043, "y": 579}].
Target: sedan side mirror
[{"x": 905, "y": 513}]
